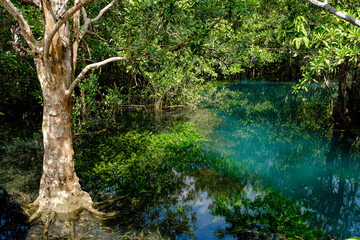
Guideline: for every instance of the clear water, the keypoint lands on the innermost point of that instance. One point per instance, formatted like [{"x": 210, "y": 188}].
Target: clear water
[
  {"x": 254, "y": 131},
  {"x": 321, "y": 170}
]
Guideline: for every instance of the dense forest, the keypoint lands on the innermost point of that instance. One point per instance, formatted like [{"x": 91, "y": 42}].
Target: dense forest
[{"x": 131, "y": 94}]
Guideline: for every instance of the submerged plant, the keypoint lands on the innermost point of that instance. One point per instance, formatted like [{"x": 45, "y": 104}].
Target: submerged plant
[
  {"x": 265, "y": 214},
  {"x": 138, "y": 162}
]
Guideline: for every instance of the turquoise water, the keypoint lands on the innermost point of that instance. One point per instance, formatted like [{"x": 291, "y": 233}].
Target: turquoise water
[
  {"x": 318, "y": 168},
  {"x": 259, "y": 129}
]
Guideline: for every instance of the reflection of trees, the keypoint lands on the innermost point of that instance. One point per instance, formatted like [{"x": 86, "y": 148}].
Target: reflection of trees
[
  {"x": 302, "y": 166},
  {"x": 13, "y": 224},
  {"x": 172, "y": 215},
  {"x": 273, "y": 141},
  {"x": 150, "y": 216},
  {"x": 214, "y": 183},
  {"x": 336, "y": 195}
]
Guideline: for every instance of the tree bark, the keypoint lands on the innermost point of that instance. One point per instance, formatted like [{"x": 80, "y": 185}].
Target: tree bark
[
  {"x": 59, "y": 191},
  {"x": 55, "y": 58},
  {"x": 330, "y": 95}
]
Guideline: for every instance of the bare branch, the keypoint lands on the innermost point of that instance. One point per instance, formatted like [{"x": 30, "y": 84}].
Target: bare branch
[
  {"x": 88, "y": 21},
  {"x": 69, "y": 13},
  {"x": 98, "y": 36},
  {"x": 79, "y": 34},
  {"x": 178, "y": 47},
  {"x": 103, "y": 11},
  {"x": 24, "y": 26},
  {"x": 86, "y": 25},
  {"x": 22, "y": 48},
  {"x": 91, "y": 66},
  {"x": 335, "y": 12}
]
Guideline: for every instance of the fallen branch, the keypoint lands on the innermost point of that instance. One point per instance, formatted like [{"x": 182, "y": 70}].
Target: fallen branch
[{"x": 173, "y": 106}]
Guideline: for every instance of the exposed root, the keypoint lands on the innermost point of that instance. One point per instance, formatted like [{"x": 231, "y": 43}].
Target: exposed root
[
  {"x": 37, "y": 214},
  {"x": 57, "y": 217},
  {"x": 100, "y": 215}
]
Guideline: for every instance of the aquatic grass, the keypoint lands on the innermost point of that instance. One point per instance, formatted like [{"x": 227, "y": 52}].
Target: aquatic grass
[{"x": 138, "y": 162}]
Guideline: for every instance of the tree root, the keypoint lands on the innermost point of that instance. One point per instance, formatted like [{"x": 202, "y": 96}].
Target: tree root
[
  {"x": 37, "y": 214},
  {"x": 58, "y": 220},
  {"x": 100, "y": 215}
]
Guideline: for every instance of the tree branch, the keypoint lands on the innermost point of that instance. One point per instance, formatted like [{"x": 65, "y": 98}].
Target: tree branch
[
  {"x": 178, "y": 47},
  {"x": 62, "y": 20},
  {"x": 22, "y": 48},
  {"x": 88, "y": 21},
  {"x": 35, "y": 3},
  {"x": 69, "y": 13},
  {"x": 335, "y": 12},
  {"x": 91, "y": 66},
  {"x": 103, "y": 11},
  {"x": 25, "y": 30},
  {"x": 79, "y": 33}
]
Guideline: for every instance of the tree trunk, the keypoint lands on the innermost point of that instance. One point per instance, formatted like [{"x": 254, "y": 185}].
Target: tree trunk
[
  {"x": 354, "y": 98},
  {"x": 60, "y": 191},
  {"x": 341, "y": 106},
  {"x": 330, "y": 95},
  {"x": 59, "y": 179}
]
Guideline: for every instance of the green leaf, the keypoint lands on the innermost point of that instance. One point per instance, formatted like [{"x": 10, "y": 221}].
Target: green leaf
[{"x": 306, "y": 41}]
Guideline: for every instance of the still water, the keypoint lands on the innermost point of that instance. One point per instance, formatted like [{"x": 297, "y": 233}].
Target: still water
[
  {"x": 267, "y": 135},
  {"x": 318, "y": 168}
]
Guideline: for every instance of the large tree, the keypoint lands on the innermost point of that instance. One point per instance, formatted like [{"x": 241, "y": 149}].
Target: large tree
[
  {"x": 145, "y": 33},
  {"x": 55, "y": 56}
]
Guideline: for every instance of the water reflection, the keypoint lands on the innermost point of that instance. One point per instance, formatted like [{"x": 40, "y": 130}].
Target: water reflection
[
  {"x": 12, "y": 223},
  {"x": 301, "y": 163},
  {"x": 181, "y": 213},
  {"x": 260, "y": 145},
  {"x": 336, "y": 193}
]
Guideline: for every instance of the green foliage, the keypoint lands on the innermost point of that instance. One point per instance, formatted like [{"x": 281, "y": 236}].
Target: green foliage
[
  {"x": 250, "y": 103},
  {"x": 266, "y": 215},
  {"x": 96, "y": 104},
  {"x": 20, "y": 103},
  {"x": 139, "y": 163},
  {"x": 334, "y": 43}
]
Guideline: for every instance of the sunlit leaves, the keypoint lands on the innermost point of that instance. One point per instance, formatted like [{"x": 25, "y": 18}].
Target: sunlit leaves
[{"x": 335, "y": 43}]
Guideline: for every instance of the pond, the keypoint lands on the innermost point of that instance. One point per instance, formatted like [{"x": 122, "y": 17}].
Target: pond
[
  {"x": 305, "y": 164},
  {"x": 259, "y": 137}
]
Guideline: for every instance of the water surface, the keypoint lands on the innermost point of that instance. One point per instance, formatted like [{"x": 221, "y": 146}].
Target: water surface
[
  {"x": 305, "y": 164},
  {"x": 257, "y": 129}
]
